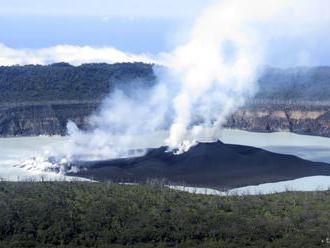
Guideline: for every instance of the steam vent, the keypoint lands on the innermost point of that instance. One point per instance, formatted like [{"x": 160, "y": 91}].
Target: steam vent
[{"x": 206, "y": 164}]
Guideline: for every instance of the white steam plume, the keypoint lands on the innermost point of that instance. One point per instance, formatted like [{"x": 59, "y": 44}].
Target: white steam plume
[{"x": 206, "y": 78}]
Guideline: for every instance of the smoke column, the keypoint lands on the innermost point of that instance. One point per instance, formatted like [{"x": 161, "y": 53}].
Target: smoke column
[{"x": 202, "y": 81}]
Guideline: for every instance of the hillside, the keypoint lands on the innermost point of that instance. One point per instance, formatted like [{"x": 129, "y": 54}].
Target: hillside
[
  {"x": 37, "y": 99},
  {"x": 80, "y": 214},
  {"x": 295, "y": 84},
  {"x": 64, "y": 82},
  {"x": 205, "y": 165}
]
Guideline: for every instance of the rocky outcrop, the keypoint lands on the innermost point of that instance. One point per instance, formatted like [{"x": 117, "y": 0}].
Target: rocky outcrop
[
  {"x": 37, "y": 100},
  {"x": 311, "y": 118},
  {"x": 50, "y": 118},
  {"x": 43, "y": 118}
]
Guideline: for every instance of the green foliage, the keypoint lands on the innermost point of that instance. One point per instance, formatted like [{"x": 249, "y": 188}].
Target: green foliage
[
  {"x": 80, "y": 214},
  {"x": 300, "y": 83},
  {"x": 61, "y": 81},
  {"x": 90, "y": 82}
]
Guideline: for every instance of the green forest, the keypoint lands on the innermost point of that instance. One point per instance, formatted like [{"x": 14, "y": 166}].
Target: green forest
[
  {"x": 89, "y": 82},
  {"x": 86, "y": 214},
  {"x": 64, "y": 82}
]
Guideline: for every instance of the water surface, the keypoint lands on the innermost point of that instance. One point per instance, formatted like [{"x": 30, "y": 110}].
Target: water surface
[{"x": 16, "y": 150}]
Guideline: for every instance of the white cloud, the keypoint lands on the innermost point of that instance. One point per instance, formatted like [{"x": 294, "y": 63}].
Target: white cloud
[{"x": 71, "y": 54}]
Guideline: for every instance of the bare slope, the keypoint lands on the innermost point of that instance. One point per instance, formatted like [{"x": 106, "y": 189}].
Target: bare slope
[{"x": 206, "y": 164}]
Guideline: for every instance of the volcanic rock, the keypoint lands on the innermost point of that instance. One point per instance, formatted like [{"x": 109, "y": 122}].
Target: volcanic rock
[{"x": 205, "y": 165}]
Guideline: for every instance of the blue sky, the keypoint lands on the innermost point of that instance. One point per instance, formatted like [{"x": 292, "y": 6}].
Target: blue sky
[
  {"x": 136, "y": 36},
  {"x": 133, "y": 26},
  {"x": 103, "y": 8}
]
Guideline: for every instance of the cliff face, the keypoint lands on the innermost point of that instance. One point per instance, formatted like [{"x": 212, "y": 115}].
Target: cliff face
[
  {"x": 51, "y": 118},
  {"x": 39, "y": 100},
  {"x": 299, "y": 117},
  {"x": 294, "y": 99},
  {"x": 44, "y": 118}
]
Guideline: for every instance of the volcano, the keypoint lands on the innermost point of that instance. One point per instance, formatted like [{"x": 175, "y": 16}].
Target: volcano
[{"x": 216, "y": 164}]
